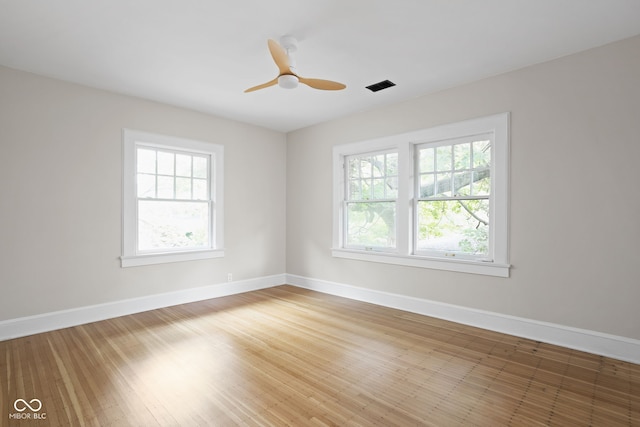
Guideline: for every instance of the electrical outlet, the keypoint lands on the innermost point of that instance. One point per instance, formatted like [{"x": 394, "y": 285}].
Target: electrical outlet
[{"x": 229, "y": 277}]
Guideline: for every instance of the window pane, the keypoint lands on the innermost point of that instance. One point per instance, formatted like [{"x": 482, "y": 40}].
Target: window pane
[
  {"x": 183, "y": 165},
  {"x": 165, "y": 163},
  {"x": 365, "y": 184},
  {"x": 392, "y": 164},
  {"x": 391, "y": 188},
  {"x": 481, "y": 154},
  {"x": 427, "y": 185},
  {"x": 354, "y": 190},
  {"x": 371, "y": 224},
  {"x": 146, "y": 185},
  {"x": 183, "y": 188},
  {"x": 481, "y": 182},
  {"x": 146, "y": 161},
  {"x": 378, "y": 188},
  {"x": 443, "y": 158},
  {"x": 443, "y": 184},
  {"x": 165, "y": 187},
  {"x": 200, "y": 167},
  {"x": 365, "y": 167},
  {"x": 172, "y": 225},
  {"x": 378, "y": 165},
  {"x": 426, "y": 160},
  {"x": 454, "y": 226},
  {"x": 462, "y": 156},
  {"x": 200, "y": 189},
  {"x": 354, "y": 171},
  {"x": 462, "y": 183}
]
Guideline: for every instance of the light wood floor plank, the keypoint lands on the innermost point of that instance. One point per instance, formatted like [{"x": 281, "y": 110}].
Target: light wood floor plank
[{"x": 288, "y": 356}]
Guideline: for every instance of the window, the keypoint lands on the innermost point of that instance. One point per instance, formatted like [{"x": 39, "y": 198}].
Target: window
[
  {"x": 452, "y": 197},
  {"x": 370, "y": 202},
  {"x": 172, "y": 199},
  {"x": 435, "y": 198}
]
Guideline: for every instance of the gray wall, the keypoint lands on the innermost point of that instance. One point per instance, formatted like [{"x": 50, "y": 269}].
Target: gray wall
[
  {"x": 61, "y": 197},
  {"x": 575, "y": 205},
  {"x": 574, "y": 194}
]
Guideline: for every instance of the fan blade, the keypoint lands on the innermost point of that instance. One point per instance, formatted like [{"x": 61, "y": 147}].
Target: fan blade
[
  {"x": 262, "y": 86},
  {"x": 322, "y": 84},
  {"x": 279, "y": 57}
]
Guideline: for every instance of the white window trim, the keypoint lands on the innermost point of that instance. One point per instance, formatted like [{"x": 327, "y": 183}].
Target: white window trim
[
  {"x": 498, "y": 265},
  {"x": 130, "y": 256}
]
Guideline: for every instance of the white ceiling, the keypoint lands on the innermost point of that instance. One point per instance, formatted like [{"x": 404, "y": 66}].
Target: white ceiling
[{"x": 202, "y": 54}]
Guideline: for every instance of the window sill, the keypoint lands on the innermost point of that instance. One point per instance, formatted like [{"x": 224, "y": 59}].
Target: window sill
[
  {"x": 162, "y": 258},
  {"x": 462, "y": 266}
]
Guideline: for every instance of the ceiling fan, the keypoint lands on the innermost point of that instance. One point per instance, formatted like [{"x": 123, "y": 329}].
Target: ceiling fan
[{"x": 288, "y": 78}]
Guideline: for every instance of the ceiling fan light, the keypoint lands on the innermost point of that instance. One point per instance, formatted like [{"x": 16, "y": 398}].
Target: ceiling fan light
[{"x": 288, "y": 81}]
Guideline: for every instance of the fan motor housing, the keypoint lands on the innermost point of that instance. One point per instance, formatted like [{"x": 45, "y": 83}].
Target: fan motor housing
[{"x": 288, "y": 81}]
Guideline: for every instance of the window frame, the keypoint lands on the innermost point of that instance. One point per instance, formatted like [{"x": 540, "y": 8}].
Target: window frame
[
  {"x": 497, "y": 264},
  {"x": 131, "y": 256}
]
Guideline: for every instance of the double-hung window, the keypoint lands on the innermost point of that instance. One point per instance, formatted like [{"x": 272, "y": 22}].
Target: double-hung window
[
  {"x": 435, "y": 198},
  {"x": 370, "y": 201},
  {"x": 172, "y": 199},
  {"x": 452, "y": 197}
]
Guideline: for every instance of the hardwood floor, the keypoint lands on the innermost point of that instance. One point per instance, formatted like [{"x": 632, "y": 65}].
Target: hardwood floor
[{"x": 288, "y": 356}]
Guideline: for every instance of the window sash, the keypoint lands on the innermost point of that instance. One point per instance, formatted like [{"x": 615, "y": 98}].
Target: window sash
[
  {"x": 376, "y": 242},
  {"x": 374, "y": 185},
  {"x": 185, "y": 233},
  {"x": 192, "y": 177},
  {"x": 450, "y": 250}
]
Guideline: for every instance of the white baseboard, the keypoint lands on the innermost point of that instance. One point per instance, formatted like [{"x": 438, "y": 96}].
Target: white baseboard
[
  {"x": 30, "y": 325},
  {"x": 613, "y": 346}
]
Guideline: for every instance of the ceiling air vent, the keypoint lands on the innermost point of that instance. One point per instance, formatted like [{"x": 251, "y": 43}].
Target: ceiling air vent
[{"x": 380, "y": 85}]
